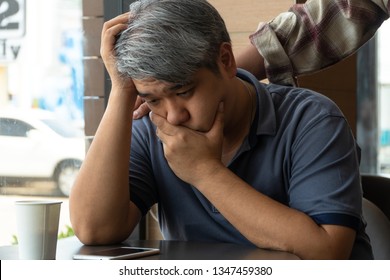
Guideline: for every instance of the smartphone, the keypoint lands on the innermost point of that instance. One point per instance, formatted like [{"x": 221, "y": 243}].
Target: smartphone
[{"x": 119, "y": 253}]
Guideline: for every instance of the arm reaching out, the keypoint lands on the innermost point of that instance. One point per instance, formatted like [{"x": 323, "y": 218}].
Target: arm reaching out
[{"x": 315, "y": 35}]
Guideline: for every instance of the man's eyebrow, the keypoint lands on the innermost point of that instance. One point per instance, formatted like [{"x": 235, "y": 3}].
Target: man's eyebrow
[
  {"x": 176, "y": 87},
  {"x": 172, "y": 88}
]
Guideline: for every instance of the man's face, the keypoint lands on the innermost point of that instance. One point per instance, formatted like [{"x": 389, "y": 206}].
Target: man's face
[{"x": 193, "y": 105}]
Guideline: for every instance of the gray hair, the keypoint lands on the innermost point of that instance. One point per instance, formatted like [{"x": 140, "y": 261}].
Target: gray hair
[{"x": 170, "y": 40}]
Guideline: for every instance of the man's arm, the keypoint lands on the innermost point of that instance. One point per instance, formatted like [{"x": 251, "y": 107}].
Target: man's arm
[
  {"x": 270, "y": 224},
  {"x": 100, "y": 207},
  {"x": 195, "y": 157},
  {"x": 251, "y": 60},
  {"x": 312, "y": 36}
]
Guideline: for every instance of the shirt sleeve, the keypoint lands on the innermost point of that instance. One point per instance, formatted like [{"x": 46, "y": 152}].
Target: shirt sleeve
[
  {"x": 315, "y": 35},
  {"x": 324, "y": 178},
  {"x": 143, "y": 190}
]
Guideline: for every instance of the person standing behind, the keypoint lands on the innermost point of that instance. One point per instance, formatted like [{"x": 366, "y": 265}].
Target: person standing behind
[{"x": 310, "y": 37}]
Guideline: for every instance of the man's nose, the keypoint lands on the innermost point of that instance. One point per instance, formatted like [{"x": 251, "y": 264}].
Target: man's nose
[{"x": 176, "y": 114}]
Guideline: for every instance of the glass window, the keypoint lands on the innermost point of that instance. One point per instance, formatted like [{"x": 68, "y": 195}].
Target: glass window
[
  {"x": 384, "y": 97},
  {"x": 42, "y": 141}
]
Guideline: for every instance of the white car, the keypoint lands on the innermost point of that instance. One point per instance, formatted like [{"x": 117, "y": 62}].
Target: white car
[{"x": 36, "y": 145}]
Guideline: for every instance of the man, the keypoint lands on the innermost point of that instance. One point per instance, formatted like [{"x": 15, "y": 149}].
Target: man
[{"x": 226, "y": 158}]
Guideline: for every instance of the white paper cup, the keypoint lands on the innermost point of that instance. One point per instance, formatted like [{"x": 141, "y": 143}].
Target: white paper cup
[{"x": 37, "y": 229}]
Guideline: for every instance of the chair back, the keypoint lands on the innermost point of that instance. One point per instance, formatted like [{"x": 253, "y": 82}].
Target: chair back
[
  {"x": 378, "y": 229},
  {"x": 376, "y": 212},
  {"x": 377, "y": 190}
]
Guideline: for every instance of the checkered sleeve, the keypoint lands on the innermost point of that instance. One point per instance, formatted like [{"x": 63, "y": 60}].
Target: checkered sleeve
[{"x": 315, "y": 35}]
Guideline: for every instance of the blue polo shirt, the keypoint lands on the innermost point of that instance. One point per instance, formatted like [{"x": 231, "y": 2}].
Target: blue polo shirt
[{"x": 300, "y": 151}]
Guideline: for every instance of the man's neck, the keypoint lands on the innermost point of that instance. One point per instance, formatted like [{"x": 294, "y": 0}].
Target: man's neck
[{"x": 241, "y": 110}]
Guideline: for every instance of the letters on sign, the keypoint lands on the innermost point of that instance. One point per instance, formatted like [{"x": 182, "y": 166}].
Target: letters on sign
[{"x": 12, "y": 28}]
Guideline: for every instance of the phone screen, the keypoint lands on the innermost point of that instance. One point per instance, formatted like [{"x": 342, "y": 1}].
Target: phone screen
[{"x": 117, "y": 253}]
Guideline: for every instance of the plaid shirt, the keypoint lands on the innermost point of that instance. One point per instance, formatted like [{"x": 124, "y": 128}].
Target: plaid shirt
[{"x": 315, "y": 35}]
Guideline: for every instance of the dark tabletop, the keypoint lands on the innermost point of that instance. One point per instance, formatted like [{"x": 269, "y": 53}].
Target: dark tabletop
[{"x": 169, "y": 250}]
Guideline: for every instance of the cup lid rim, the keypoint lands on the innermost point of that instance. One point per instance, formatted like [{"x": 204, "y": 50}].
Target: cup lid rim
[{"x": 37, "y": 202}]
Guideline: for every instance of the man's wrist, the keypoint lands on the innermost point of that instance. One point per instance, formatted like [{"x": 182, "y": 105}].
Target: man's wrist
[{"x": 209, "y": 174}]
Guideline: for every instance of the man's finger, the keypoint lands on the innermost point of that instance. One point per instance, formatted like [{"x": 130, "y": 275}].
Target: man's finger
[
  {"x": 120, "y": 20},
  {"x": 159, "y": 121},
  {"x": 162, "y": 124},
  {"x": 142, "y": 110}
]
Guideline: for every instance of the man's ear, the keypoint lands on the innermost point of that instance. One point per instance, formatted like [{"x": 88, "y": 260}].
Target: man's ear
[{"x": 227, "y": 60}]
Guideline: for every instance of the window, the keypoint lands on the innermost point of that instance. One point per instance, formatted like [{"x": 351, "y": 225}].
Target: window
[
  {"x": 13, "y": 128},
  {"x": 41, "y": 104},
  {"x": 384, "y": 98}
]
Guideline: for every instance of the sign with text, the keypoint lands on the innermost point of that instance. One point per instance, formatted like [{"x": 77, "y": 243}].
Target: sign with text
[{"x": 12, "y": 28}]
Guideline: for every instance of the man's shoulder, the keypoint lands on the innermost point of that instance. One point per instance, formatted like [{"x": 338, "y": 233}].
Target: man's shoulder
[{"x": 302, "y": 98}]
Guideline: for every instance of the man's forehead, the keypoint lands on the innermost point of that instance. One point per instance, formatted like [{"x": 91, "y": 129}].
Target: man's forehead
[{"x": 169, "y": 86}]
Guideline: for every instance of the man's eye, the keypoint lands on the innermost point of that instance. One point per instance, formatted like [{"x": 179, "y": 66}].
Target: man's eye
[
  {"x": 185, "y": 93},
  {"x": 152, "y": 101}
]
